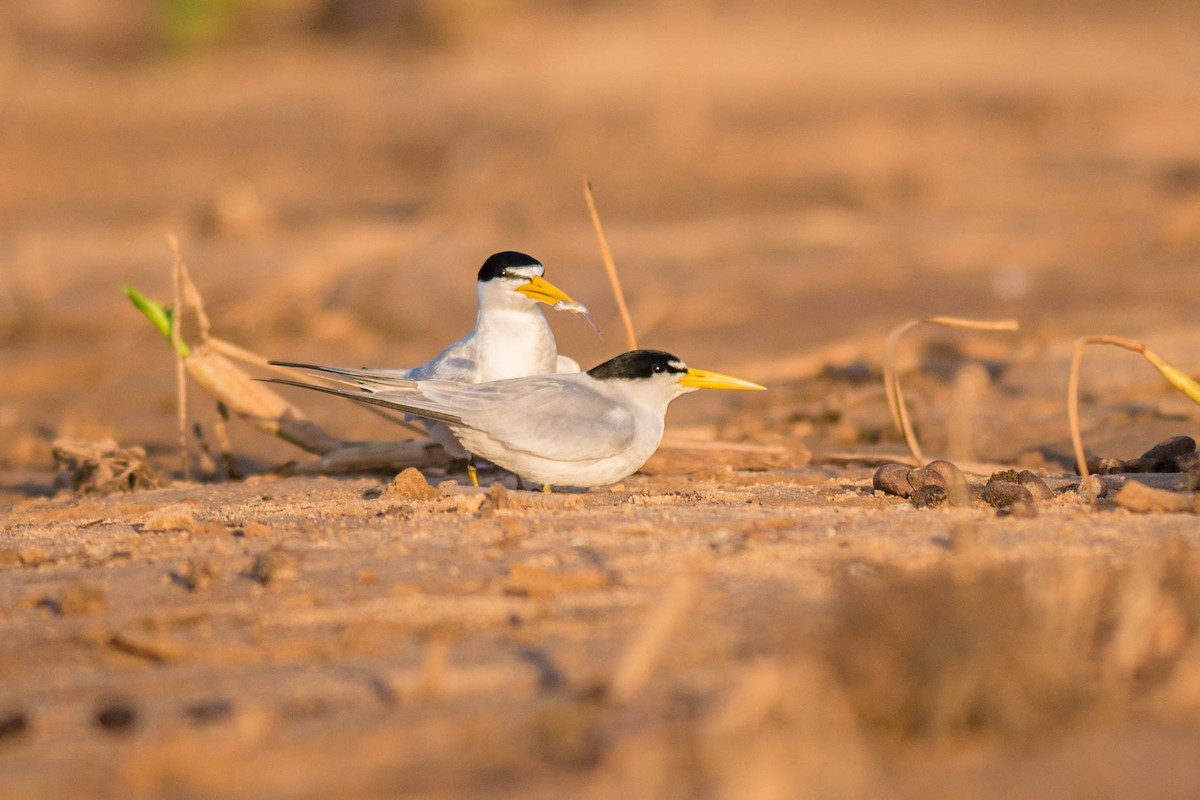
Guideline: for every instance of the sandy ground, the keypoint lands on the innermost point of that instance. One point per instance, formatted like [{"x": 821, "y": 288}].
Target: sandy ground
[{"x": 780, "y": 188}]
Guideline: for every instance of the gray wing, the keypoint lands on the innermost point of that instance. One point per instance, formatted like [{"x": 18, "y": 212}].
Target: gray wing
[
  {"x": 455, "y": 363},
  {"x": 562, "y": 418}
]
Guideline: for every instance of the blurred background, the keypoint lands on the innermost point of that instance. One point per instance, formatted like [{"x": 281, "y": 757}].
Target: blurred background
[{"x": 781, "y": 183}]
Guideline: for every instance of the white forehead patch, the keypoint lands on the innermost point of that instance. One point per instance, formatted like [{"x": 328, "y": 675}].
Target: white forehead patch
[
  {"x": 677, "y": 364},
  {"x": 530, "y": 271}
]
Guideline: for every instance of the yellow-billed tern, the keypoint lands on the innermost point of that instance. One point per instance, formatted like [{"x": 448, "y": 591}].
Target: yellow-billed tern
[
  {"x": 511, "y": 339},
  {"x": 566, "y": 429}
]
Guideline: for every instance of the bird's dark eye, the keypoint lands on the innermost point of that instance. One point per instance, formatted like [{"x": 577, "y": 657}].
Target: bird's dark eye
[{"x": 659, "y": 368}]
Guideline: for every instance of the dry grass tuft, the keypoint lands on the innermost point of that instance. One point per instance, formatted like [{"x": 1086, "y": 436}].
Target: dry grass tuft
[{"x": 1008, "y": 651}]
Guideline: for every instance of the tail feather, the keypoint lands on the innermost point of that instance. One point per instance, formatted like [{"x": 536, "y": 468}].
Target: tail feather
[
  {"x": 411, "y": 405},
  {"x": 371, "y": 380}
]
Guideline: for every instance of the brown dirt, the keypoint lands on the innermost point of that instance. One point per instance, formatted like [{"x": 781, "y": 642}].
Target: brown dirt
[{"x": 780, "y": 189}]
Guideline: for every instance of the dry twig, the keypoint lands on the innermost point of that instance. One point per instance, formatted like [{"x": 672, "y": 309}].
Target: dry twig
[
  {"x": 891, "y": 380},
  {"x": 176, "y": 340},
  {"x": 610, "y": 267}
]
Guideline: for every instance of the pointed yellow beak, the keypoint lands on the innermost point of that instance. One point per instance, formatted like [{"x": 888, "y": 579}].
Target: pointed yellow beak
[
  {"x": 703, "y": 379},
  {"x": 544, "y": 291}
]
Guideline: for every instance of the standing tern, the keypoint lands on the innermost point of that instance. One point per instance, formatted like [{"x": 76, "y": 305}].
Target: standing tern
[
  {"x": 566, "y": 429},
  {"x": 511, "y": 339}
]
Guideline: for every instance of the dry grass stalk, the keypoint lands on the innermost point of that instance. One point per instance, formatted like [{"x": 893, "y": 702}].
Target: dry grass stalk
[
  {"x": 1173, "y": 375},
  {"x": 891, "y": 380},
  {"x": 224, "y": 445},
  {"x": 251, "y": 400},
  {"x": 644, "y": 652},
  {"x": 610, "y": 267},
  {"x": 180, "y": 369}
]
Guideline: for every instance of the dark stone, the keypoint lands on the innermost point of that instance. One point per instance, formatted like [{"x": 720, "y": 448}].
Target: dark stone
[
  {"x": 928, "y": 496},
  {"x": 116, "y": 717},
  {"x": 1169, "y": 448},
  {"x": 893, "y": 479},
  {"x": 1002, "y": 494},
  {"x": 1038, "y": 488}
]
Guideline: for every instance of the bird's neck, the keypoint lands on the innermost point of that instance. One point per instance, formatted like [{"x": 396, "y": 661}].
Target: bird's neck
[{"x": 514, "y": 343}]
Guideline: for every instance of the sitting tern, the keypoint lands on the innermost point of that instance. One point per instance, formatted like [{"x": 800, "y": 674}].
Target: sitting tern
[
  {"x": 566, "y": 429},
  {"x": 511, "y": 339}
]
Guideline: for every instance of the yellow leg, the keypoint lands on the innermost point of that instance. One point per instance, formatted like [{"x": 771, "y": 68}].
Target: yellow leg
[
  {"x": 546, "y": 488},
  {"x": 472, "y": 473}
]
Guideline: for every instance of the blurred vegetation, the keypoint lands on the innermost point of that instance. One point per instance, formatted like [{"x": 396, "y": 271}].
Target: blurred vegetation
[
  {"x": 74, "y": 28},
  {"x": 193, "y": 24}
]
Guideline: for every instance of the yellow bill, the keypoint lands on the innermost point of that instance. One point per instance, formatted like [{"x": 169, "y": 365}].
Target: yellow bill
[
  {"x": 544, "y": 291},
  {"x": 703, "y": 379}
]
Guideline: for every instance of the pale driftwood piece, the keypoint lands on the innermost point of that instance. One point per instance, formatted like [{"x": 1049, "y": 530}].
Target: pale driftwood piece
[
  {"x": 239, "y": 353},
  {"x": 679, "y": 456},
  {"x": 366, "y": 456},
  {"x": 256, "y": 403}
]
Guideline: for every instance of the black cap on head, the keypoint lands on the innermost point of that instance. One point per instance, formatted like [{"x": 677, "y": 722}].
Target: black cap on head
[
  {"x": 496, "y": 264},
  {"x": 638, "y": 364}
]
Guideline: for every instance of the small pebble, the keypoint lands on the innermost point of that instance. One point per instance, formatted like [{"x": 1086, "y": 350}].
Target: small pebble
[
  {"x": 81, "y": 598},
  {"x": 928, "y": 496},
  {"x": 1104, "y": 466},
  {"x": 13, "y": 723},
  {"x": 926, "y": 476},
  {"x": 274, "y": 566},
  {"x": 1038, "y": 488},
  {"x": 410, "y": 485},
  {"x": 958, "y": 491},
  {"x": 1002, "y": 493},
  {"x": 116, "y": 717},
  {"x": 893, "y": 479},
  {"x": 209, "y": 711},
  {"x": 176, "y": 517},
  {"x": 1096, "y": 485}
]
